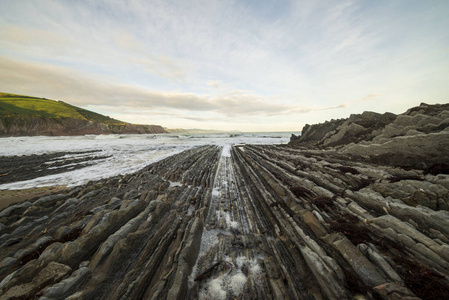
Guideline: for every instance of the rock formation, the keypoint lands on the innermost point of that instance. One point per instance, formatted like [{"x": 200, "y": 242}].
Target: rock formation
[
  {"x": 26, "y": 167},
  {"x": 290, "y": 221},
  {"x": 417, "y": 138}
]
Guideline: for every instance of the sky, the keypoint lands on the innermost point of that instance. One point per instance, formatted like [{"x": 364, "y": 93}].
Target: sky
[{"x": 247, "y": 65}]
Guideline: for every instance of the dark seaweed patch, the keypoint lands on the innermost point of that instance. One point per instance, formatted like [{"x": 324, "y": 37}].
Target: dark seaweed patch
[
  {"x": 394, "y": 179},
  {"x": 364, "y": 182},
  {"x": 299, "y": 191},
  {"x": 437, "y": 169},
  {"x": 421, "y": 281},
  {"x": 346, "y": 169},
  {"x": 322, "y": 202},
  {"x": 36, "y": 253},
  {"x": 350, "y": 226}
]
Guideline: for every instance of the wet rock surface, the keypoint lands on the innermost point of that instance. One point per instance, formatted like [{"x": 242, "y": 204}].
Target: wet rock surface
[
  {"x": 248, "y": 222},
  {"x": 19, "y": 168}
]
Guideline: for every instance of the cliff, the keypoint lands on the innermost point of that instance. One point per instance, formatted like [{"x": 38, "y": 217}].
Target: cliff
[
  {"x": 30, "y": 126},
  {"x": 29, "y": 116}
]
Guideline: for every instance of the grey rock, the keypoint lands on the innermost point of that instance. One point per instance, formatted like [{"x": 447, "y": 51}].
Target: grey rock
[
  {"x": 54, "y": 272},
  {"x": 361, "y": 265},
  {"x": 17, "y": 208},
  {"x": 68, "y": 285},
  {"x": 47, "y": 201}
]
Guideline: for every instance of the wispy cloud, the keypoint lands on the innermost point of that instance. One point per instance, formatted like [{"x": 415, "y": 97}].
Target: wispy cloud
[
  {"x": 163, "y": 66},
  {"x": 68, "y": 84},
  {"x": 34, "y": 41}
]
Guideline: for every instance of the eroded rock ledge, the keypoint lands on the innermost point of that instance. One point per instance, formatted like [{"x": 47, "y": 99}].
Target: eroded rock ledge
[{"x": 266, "y": 222}]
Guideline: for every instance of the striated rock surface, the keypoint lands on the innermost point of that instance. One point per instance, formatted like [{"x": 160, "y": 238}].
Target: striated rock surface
[
  {"x": 25, "y": 167},
  {"x": 248, "y": 222}
]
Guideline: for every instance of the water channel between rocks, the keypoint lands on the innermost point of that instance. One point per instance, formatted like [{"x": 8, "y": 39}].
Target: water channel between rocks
[{"x": 225, "y": 230}]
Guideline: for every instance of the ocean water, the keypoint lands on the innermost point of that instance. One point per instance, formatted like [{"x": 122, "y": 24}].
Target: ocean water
[{"x": 125, "y": 153}]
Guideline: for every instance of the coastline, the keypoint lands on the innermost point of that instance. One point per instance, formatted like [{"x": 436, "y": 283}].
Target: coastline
[{"x": 289, "y": 221}]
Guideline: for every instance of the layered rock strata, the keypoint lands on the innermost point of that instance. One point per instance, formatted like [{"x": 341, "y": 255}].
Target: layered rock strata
[
  {"x": 245, "y": 222},
  {"x": 26, "y": 167},
  {"x": 126, "y": 237},
  {"x": 267, "y": 222}
]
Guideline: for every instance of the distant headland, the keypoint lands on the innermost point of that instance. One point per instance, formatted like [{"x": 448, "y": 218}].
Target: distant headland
[{"x": 31, "y": 116}]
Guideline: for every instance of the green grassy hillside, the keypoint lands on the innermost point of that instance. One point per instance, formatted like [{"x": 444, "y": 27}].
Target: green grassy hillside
[{"x": 18, "y": 105}]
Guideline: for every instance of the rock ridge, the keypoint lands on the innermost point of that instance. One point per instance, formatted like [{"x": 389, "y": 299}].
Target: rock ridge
[{"x": 417, "y": 138}]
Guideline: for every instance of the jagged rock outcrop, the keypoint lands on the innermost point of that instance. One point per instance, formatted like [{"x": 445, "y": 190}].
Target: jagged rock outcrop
[
  {"x": 358, "y": 127},
  {"x": 370, "y": 126},
  {"x": 30, "y": 126},
  {"x": 418, "y": 138}
]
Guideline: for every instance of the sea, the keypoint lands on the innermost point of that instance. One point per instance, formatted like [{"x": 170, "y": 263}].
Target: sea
[{"x": 119, "y": 154}]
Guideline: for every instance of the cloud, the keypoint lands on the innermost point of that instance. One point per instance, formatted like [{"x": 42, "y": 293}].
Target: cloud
[
  {"x": 39, "y": 79},
  {"x": 307, "y": 110},
  {"x": 215, "y": 83},
  {"x": 364, "y": 99},
  {"x": 163, "y": 66},
  {"x": 153, "y": 113},
  {"x": 368, "y": 97},
  {"x": 34, "y": 41}
]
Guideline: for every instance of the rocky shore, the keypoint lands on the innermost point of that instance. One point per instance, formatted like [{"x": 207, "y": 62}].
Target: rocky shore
[
  {"x": 354, "y": 208},
  {"x": 25, "y": 167}
]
